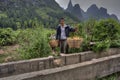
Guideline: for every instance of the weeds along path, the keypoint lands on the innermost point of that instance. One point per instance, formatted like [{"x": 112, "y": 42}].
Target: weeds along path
[{"x": 9, "y": 49}]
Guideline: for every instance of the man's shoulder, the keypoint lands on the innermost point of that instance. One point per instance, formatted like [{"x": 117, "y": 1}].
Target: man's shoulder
[
  {"x": 58, "y": 27},
  {"x": 67, "y": 26}
]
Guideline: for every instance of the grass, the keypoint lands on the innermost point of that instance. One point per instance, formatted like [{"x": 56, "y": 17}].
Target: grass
[
  {"x": 34, "y": 42},
  {"x": 111, "y": 77},
  {"x": 31, "y": 43},
  {"x": 8, "y": 57},
  {"x": 9, "y": 53}
]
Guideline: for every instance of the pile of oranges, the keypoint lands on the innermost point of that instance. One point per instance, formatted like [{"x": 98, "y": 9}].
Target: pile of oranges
[{"x": 75, "y": 38}]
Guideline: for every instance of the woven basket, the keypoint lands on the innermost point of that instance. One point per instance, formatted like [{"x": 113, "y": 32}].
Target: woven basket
[
  {"x": 74, "y": 43},
  {"x": 53, "y": 43}
]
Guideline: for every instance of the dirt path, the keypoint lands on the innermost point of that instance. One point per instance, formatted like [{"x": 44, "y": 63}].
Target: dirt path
[
  {"x": 9, "y": 49},
  {"x": 1, "y": 51}
]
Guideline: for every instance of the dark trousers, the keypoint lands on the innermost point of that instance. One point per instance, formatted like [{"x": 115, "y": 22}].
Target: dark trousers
[{"x": 64, "y": 46}]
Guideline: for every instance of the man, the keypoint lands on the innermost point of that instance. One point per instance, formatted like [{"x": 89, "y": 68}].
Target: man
[{"x": 62, "y": 33}]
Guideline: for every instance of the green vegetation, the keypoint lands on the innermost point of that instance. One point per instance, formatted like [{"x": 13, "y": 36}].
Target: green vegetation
[
  {"x": 7, "y": 37},
  {"x": 34, "y": 42},
  {"x": 111, "y": 77},
  {"x": 21, "y": 14},
  {"x": 104, "y": 34}
]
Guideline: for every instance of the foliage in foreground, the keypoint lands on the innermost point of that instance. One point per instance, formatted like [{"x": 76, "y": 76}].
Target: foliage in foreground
[
  {"x": 7, "y": 37},
  {"x": 104, "y": 33},
  {"x": 36, "y": 44},
  {"x": 34, "y": 41},
  {"x": 111, "y": 77}
]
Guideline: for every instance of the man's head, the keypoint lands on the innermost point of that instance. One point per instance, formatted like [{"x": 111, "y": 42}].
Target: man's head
[{"x": 62, "y": 21}]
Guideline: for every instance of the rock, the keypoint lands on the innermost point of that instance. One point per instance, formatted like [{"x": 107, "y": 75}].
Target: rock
[
  {"x": 9, "y": 59},
  {"x": 57, "y": 62}
]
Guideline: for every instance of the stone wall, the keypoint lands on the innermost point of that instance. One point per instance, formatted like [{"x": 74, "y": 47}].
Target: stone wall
[
  {"x": 89, "y": 70},
  {"x": 25, "y": 66}
]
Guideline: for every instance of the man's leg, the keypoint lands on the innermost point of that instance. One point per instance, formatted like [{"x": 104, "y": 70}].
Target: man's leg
[
  {"x": 61, "y": 46},
  {"x": 66, "y": 48}
]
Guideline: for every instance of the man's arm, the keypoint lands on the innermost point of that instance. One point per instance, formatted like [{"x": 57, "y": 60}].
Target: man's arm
[
  {"x": 57, "y": 33},
  {"x": 72, "y": 29}
]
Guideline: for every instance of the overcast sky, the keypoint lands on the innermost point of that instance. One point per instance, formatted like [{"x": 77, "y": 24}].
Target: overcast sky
[{"x": 113, "y": 6}]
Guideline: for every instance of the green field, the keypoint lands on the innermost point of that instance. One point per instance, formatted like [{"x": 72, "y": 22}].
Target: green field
[{"x": 34, "y": 42}]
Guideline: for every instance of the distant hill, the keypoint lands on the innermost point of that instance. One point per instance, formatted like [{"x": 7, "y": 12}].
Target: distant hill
[
  {"x": 24, "y": 12},
  {"x": 75, "y": 10},
  {"x": 92, "y": 12}
]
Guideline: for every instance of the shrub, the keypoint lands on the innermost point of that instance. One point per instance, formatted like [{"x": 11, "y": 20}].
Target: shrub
[
  {"x": 7, "y": 37},
  {"x": 105, "y": 33},
  {"x": 101, "y": 46},
  {"x": 111, "y": 77},
  {"x": 105, "y": 29},
  {"x": 36, "y": 44}
]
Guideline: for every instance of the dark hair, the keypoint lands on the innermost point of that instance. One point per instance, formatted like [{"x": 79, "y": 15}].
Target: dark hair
[{"x": 61, "y": 19}]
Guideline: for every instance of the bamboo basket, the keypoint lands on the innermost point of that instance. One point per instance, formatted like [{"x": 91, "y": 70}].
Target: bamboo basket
[
  {"x": 53, "y": 43},
  {"x": 74, "y": 43}
]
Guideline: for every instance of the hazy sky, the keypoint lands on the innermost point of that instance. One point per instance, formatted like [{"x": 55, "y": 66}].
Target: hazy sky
[{"x": 113, "y": 6}]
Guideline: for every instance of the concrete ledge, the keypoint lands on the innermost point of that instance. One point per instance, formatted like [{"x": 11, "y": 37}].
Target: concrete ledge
[
  {"x": 73, "y": 59},
  {"x": 89, "y": 70},
  {"x": 25, "y": 66},
  {"x": 14, "y": 68}
]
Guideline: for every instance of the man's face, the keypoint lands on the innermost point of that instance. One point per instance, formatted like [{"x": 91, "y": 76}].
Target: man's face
[{"x": 62, "y": 21}]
